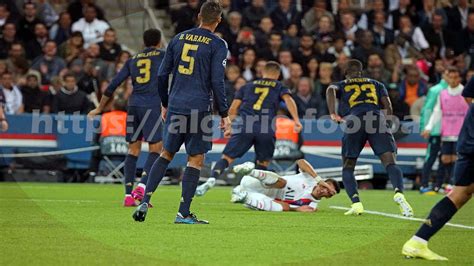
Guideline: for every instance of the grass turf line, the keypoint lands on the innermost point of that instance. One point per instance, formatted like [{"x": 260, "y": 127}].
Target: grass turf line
[{"x": 85, "y": 224}]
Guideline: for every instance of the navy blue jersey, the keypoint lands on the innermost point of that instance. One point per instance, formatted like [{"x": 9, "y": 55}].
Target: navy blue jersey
[
  {"x": 197, "y": 60},
  {"x": 261, "y": 97},
  {"x": 360, "y": 95},
  {"x": 466, "y": 136},
  {"x": 143, "y": 68}
]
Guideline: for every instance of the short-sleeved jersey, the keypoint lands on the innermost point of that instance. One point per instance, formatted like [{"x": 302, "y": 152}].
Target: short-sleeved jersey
[
  {"x": 197, "y": 60},
  {"x": 466, "y": 136},
  {"x": 360, "y": 95},
  {"x": 143, "y": 69},
  {"x": 261, "y": 97},
  {"x": 298, "y": 190}
]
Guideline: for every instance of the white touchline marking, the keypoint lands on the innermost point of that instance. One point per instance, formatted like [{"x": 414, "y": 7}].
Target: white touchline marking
[{"x": 402, "y": 217}]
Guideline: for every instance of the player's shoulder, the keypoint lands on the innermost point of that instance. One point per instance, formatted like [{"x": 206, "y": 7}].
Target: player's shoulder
[{"x": 219, "y": 42}]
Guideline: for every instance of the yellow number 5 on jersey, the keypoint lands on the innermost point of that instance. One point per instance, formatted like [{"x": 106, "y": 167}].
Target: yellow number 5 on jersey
[
  {"x": 185, "y": 57},
  {"x": 144, "y": 65},
  {"x": 263, "y": 94}
]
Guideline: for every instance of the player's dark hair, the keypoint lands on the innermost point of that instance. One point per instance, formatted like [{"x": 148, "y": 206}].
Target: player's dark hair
[
  {"x": 272, "y": 66},
  {"x": 210, "y": 12},
  {"x": 151, "y": 37},
  {"x": 453, "y": 69},
  {"x": 68, "y": 75},
  {"x": 354, "y": 68},
  {"x": 335, "y": 184}
]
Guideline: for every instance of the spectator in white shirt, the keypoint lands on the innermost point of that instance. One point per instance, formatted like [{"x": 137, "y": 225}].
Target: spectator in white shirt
[
  {"x": 13, "y": 96},
  {"x": 91, "y": 28},
  {"x": 417, "y": 37}
]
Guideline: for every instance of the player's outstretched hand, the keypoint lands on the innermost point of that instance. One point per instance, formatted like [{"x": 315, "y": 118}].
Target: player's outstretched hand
[
  {"x": 226, "y": 126},
  {"x": 298, "y": 126},
  {"x": 426, "y": 134},
  {"x": 305, "y": 208},
  {"x": 164, "y": 111},
  {"x": 4, "y": 125},
  {"x": 336, "y": 118},
  {"x": 94, "y": 113}
]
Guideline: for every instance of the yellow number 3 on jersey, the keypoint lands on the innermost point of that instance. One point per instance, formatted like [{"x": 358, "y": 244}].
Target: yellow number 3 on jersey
[
  {"x": 144, "y": 65},
  {"x": 185, "y": 57},
  {"x": 371, "y": 95}
]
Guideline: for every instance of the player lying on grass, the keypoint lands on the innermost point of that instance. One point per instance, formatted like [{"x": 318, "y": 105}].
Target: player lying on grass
[
  {"x": 362, "y": 102},
  {"x": 444, "y": 210},
  {"x": 252, "y": 112},
  {"x": 267, "y": 191}
]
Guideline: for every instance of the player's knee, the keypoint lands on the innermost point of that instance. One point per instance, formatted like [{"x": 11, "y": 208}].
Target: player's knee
[
  {"x": 196, "y": 161},
  {"x": 460, "y": 195},
  {"x": 228, "y": 159},
  {"x": 387, "y": 159},
  {"x": 167, "y": 155},
  {"x": 445, "y": 159},
  {"x": 155, "y": 147},
  {"x": 349, "y": 164},
  {"x": 134, "y": 148}
]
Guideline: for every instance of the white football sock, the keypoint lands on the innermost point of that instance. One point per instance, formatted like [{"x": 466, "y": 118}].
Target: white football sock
[
  {"x": 142, "y": 185},
  {"x": 419, "y": 239},
  {"x": 266, "y": 177},
  {"x": 261, "y": 202}
]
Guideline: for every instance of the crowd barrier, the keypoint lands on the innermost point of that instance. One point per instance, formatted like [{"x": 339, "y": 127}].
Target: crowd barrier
[{"x": 42, "y": 135}]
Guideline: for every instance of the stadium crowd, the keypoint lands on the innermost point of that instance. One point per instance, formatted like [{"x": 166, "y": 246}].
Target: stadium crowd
[{"x": 57, "y": 56}]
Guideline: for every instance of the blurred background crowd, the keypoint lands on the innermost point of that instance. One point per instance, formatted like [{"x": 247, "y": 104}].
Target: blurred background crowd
[{"x": 59, "y": 56}]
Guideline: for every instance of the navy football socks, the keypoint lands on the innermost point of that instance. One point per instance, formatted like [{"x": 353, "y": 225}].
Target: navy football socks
[
  {"x": 396, "y": 177},
  {"x": 189, "y": 185},
  {"x": 438, "y": 217},
  {"x": 152, "y": 156},
  {"x": 350, "y": 184},
  {"x": 157, "y": 173},
  {"x": 130, "y": 169},
  {"x": 220, "y": 166}
]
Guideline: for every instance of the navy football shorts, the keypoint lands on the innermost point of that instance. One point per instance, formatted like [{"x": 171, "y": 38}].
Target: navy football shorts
[
  {"x": 144, "y": 123},
  {"x": 194, "y": 130},
  {"x": 464, "y": 170},
  {"x": 448, "y": 147},
  {"x": 358, "y": 131},
  {"x": 240, "y": 143}
]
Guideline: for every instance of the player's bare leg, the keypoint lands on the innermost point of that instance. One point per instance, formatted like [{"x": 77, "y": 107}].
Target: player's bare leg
[
  {"x": 130, "y": 168},
  {"x": 396, "y": 178},
  {"x": 189, "y": 185},
  {"x": 267, "y": 178},
  {"x": 220, "y": 166},
  {"x": 350, "y": 184},
  {"x": 157, "y": 173},
  {"x": 154, "y": 150},
  {"x": 442, "y": 212}
]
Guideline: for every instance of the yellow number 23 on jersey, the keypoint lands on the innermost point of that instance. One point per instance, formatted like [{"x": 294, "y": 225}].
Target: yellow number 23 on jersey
[
  {"x": 185, "y": 57},
  {"x": 369, "y": 90}
]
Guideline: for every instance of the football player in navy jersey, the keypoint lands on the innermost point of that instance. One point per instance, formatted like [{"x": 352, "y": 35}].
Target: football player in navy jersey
[
  {"x": 196, "y": 58},
  {"x": 255, "y": 104},
  {"x": 363, "y": 107},
  {"x": 143, "y": 112},
  {"x": 444, "y": 210}
]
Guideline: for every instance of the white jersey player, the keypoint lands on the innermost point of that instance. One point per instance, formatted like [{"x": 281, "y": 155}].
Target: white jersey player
[{"x": 267, "y": 191}]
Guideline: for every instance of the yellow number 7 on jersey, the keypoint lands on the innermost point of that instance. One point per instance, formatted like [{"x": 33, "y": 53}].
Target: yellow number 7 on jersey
[
  {"x": 263, "y": 94},
  {"x": 185, "y": 57}
]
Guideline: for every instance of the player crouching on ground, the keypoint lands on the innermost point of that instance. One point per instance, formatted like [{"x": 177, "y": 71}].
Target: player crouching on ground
[{"x": 267, "y": 191}]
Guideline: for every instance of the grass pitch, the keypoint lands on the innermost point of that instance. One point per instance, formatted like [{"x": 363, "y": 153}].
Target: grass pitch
[{"x": 85, "y": 224}]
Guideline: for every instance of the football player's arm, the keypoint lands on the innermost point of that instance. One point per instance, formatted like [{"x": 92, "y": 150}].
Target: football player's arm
[
  {"x": 3, "y": 119},
  {"x": 331, "y": 102},
  {"x": 234, "y": 108},
  {"x": 164, "y": 72},
  {"x": 293, "y": 110},
  {"x": 306, "y": 167},
  {"x": 218, "y": 64},
  {"x": 386, "y": 105},
  {"x": 123, "y": 74}
]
